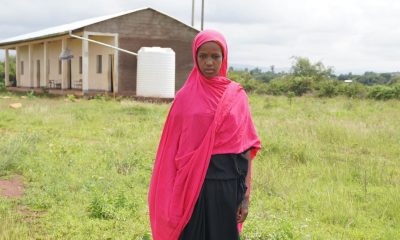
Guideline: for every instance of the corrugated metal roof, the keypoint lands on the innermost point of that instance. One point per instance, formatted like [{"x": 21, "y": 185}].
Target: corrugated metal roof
[{"x": 64, "y": 29}]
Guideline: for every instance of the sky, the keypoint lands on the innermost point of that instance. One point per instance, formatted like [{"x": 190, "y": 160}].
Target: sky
[{"x": 348, "y": 35}]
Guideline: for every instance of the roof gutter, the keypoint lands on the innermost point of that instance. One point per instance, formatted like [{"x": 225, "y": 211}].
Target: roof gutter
[{"x": 100, "y": 43}]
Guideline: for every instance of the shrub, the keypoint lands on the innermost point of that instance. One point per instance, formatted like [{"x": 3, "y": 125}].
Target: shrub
[
  {"x": 396, "y": 90},
  {"x": 380, "y": 92},
  {"x": 250, "y": 85},
  {"x": 2, "y": 86},
  {"x": 297, "y": 85},
  {"x": 101, "y": 208},
  {"x": 277, "y": 87},
  {"x": 2, "y": 83},
  {"x": 30, "y": 94},
  {"x": 328, "y": 88},
  {"x": 300, "y": 85},
  {"x": 353, "y": 90},
  {"x": 71, "y": 98},
  {"x": 262, "y": 88},
  {"x": 110, "y": 205}
]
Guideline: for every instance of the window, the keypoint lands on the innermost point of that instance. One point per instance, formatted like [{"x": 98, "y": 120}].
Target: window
[
  {"x": 99, "y": 63},
  {"x": 80, "y": 65},
  {"x": 38, "y": 70},
  {"x": 48, "y": 66},
  {"x": 22, "y": 67},
  {"x": 59, "y": 67}
]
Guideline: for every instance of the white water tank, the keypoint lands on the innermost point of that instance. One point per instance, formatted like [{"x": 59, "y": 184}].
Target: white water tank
[{"x": 155, "y": 72}]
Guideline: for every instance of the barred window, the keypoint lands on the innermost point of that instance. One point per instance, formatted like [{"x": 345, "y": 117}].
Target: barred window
[
  {"x": 99, "y": 63},
  {"x": 80, "y": 65}
]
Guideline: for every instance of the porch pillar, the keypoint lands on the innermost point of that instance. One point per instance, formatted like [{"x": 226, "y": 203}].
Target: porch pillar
[
  {"x": 45, "y": 66},
  {"x": 64, "y": 66},
  {"x": 85, "y": 64},
  {"x": 30, "y": 65},
  {"x": 116, "y": 67},
  {"x": 6, "y": 69}
]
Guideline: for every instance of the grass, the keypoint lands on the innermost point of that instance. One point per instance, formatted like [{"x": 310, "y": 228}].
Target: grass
[{"x": 329, "y": 169}]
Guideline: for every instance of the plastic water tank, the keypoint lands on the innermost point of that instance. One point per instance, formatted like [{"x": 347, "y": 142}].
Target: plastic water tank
[{"x": 155, "y": 72}]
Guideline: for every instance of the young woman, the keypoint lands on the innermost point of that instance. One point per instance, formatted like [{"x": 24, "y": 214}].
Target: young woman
[{"x": 201, "y": 176}]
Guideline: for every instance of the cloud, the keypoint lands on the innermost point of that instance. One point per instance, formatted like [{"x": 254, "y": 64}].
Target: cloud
[{"x": 347, "y": 34}]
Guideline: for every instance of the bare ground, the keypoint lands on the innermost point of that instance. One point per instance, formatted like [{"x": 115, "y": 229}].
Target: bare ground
[{"x": 12, "y": 188}]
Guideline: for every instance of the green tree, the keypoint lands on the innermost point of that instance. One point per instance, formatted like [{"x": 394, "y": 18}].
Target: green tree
[
  {"x": 302, "y": 67},
  {"x": 348, "y": 76},
  {"x": 12, "y": 71},
  {"x": 1, "y": 75},
  {"x": 371, "y": 78}
]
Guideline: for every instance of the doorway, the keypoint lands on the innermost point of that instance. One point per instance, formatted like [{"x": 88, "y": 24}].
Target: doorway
[
  {"x": 69, "y": 71},
  {"x": 111, "y": 72},
  {"x": 38, "y": 73}
]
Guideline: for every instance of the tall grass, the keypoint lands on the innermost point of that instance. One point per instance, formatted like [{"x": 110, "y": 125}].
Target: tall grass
[{"x": 329, "y": 168}]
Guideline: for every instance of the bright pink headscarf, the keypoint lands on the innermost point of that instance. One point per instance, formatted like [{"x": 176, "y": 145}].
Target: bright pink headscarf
[{"x": 208, "y": 116}]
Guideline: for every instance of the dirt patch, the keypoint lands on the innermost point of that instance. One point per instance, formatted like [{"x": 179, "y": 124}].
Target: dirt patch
[
  {"x": 12, "y": 188},
  {"x": 29, "y": 215}
]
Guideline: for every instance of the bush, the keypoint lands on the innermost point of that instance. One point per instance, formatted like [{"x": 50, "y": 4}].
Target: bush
[
  {"x": 277, "y": 87},
  {"x": 71, "y": 98},
  {"x": 31, "y": 94},
  {"x": 109, "y": 206},
  {"x": 262, "y": 88},
  {"x": 297, "y": 85},
  {"x": 300, "y": 85},
  {"x": 2, "y": 84},
  {"x": 328, "y": 88},
  {"x": 396, "y": 90},
  {"x": 250, "y": 85},
  {"x": 353, "y": 90},
  {"x": 321, "y": 86},
  {"x": 380, "y": 92}
]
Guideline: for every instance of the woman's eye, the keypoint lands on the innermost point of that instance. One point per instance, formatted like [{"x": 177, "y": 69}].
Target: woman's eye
[
  {"x": 216, "y": 57},
  {"x": 203, "y": 56}
]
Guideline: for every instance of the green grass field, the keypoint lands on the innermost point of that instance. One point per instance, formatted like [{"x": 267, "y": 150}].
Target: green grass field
[{"x": 329, "y": 168}]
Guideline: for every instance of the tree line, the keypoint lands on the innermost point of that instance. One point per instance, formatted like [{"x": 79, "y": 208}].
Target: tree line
[
  {"x": 316, "y": 79},
  {"x": 304, "y": 77}
]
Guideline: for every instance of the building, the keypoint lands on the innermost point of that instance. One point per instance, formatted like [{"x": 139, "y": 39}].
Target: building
[{"x": 97, "y": 68}]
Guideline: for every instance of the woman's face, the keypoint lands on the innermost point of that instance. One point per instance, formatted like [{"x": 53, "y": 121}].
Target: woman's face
[{"x": 209, "y": 59}]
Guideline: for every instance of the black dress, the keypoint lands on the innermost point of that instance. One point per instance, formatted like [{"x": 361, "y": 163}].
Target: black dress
[{"x": 214, "y": 215}]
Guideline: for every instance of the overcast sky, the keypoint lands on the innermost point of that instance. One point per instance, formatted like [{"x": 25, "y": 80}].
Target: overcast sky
[{"x": 349, "y": 35}]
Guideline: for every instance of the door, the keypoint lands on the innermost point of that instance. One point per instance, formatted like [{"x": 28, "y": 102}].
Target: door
[
  {"x": 69, "y": 70},
  {"x": 38, "y": 73},
  {"x": 111, "y": 72}
]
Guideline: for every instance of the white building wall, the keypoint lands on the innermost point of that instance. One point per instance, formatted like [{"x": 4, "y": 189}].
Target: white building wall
[
  {"x": 75, "y": 45},
  {"x": 23, "y": 57},
  {"x": 100, "y": 81},
  {"x": 38, "y": 74},
  {"x": 54, "y": 50},
  {"x": 50, "y": 75}
]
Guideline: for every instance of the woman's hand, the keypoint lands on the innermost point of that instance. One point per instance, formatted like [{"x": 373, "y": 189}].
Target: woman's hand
[{"x": 242, "y": 211}]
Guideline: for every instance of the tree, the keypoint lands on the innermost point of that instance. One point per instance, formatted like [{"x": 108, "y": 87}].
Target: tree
[
  {"x": 12, "y": 68},
  {"x": 1, "y": 74},
  {"x": 348, "y": 76},
  {"x": 371, "y": 78},
  {"x": 302, "y": 67}
]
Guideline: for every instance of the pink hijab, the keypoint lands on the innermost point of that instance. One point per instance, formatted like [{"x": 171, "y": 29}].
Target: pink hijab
[{"x": 208, "y": 116}]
